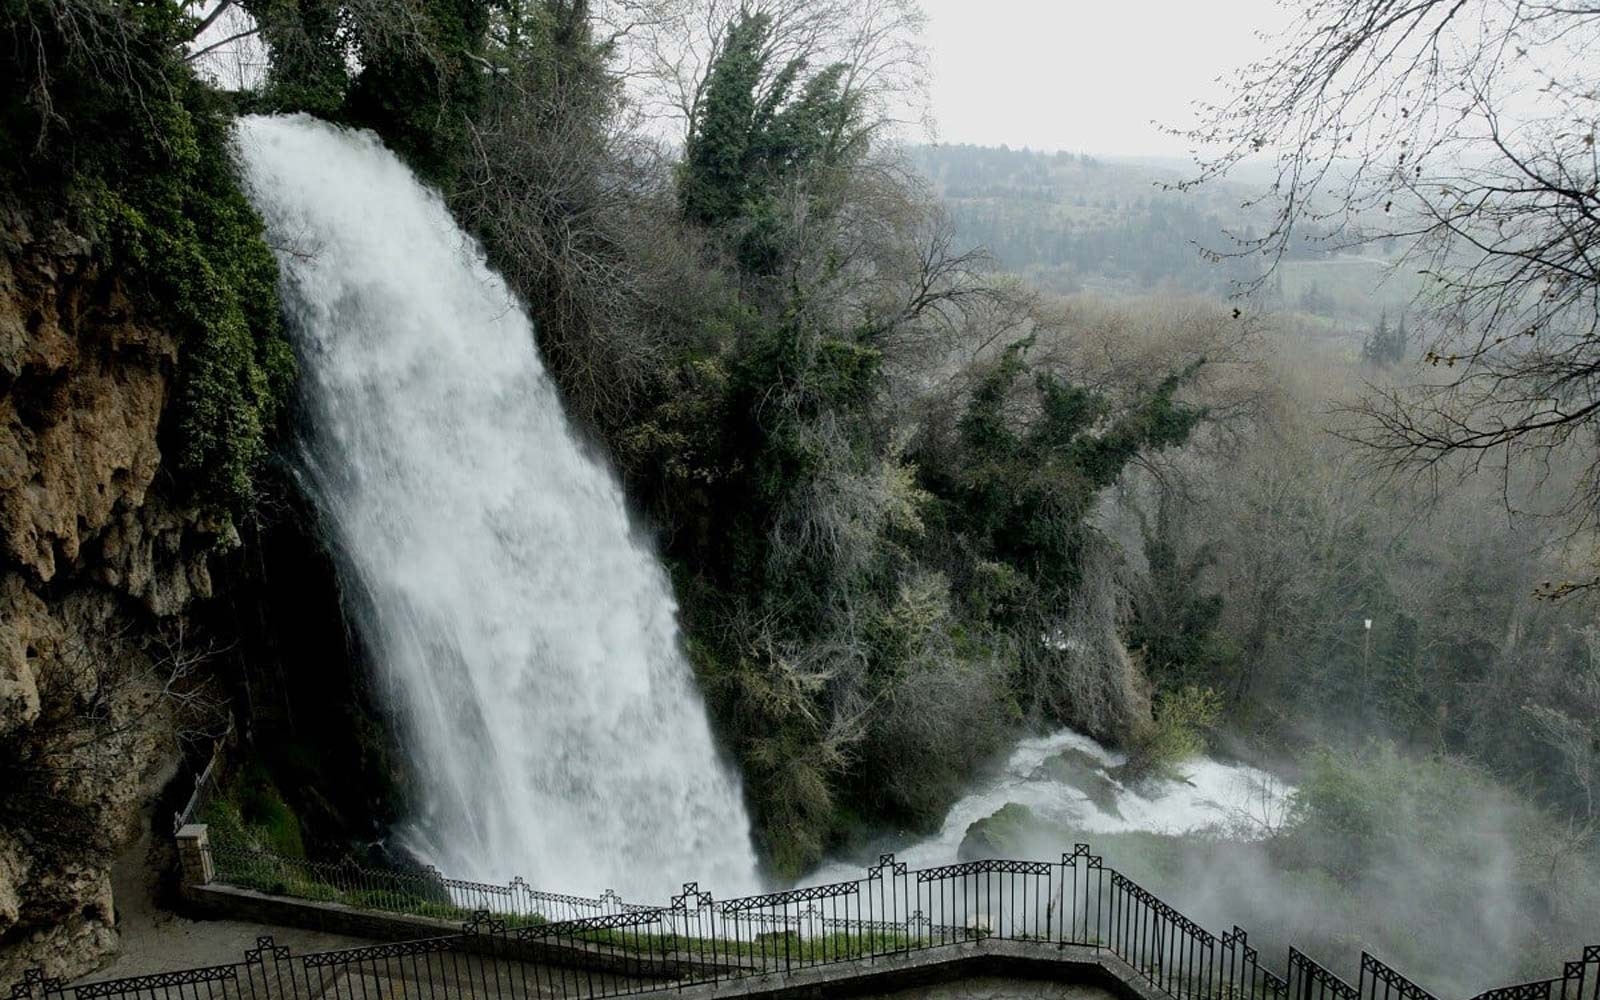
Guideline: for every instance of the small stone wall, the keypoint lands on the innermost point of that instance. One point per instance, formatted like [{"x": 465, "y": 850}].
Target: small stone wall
[{"x": 224, "y": 902}]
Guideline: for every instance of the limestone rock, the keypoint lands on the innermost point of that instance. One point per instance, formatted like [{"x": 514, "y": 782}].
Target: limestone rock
[
  {"x": 86, "y": 386},
  {"x": 94, "y": 555},
  {"x": 19, "y": 691}
]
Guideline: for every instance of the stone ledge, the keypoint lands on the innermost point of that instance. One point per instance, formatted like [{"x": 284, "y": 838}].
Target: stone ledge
[
  {"x": 1021, "y": 960},
  {"x": 229, "y": 903}
]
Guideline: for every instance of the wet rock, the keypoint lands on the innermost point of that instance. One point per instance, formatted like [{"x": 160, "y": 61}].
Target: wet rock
[
  {"x": 1005, "y": 834},
  {"x": 1083, "y": 771}
]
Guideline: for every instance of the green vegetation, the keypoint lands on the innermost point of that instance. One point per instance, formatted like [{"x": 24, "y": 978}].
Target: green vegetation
[
  {"x": 911, "y": 507},
  {"x": 1183, "y": 719},
  {"x": 404, "y": 69},
  {"x": 104, "y": 121},
  {"x": 249, "y": 814}
]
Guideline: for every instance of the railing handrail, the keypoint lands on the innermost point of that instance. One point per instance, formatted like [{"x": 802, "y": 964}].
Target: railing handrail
[
  {"x": 1078, "y": 901},
  {"x": 202, "y": 782},
  {"x": 1572, "y": 982}
]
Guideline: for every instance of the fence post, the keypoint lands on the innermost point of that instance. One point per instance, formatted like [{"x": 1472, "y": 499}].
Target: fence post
[
  {"x": 194, "y": 855},
  {"x": 34, "y": 985}
]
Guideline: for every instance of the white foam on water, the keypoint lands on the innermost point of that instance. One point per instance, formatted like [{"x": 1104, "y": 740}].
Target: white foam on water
[{"x": 1243, "y": 800}]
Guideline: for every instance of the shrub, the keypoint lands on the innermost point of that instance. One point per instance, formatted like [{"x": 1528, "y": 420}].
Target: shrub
[{"x": 1178, "y": 734}]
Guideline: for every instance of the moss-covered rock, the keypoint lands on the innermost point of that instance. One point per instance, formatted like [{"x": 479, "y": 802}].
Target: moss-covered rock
[
  {"x": 1005, "y": 834},
  {"x": 1082, "y": 771},
  {"x": 138, "y": 164}
]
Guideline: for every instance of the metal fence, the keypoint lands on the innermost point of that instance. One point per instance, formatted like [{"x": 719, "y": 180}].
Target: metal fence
[
  {"x": 1043, "y": 907},
  {"x": 1579, "y": 980},
  {"x": 421, "y": 891},
  {"x": 205, "y": 784}
]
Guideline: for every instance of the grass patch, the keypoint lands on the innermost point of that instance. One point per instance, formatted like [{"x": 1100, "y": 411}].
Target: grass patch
[
  {"x": 839, "y": 946},
  {"x": 405, "y": 892}
]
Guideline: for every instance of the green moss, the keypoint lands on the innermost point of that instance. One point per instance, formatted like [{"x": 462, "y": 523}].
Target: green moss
[
  {"x": 188, "y": 240},
  {"x": 250, "y": 814},
  {"x": 1005, "y": 834},
  {"x": 139, "y": 159}
]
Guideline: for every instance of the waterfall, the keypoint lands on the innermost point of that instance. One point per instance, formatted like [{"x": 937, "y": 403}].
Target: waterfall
[
  {"x": 525, "y": 635},
  {"x": 1087, "y": 797}
]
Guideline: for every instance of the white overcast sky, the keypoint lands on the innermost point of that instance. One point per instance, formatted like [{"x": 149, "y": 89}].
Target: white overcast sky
[
  {"x": 1081, "y": 75},
  {"x": 1084, "y": 75}
]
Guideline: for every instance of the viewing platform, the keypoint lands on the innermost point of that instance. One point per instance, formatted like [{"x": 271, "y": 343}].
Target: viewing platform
[{"x": 1074, "y": 928}]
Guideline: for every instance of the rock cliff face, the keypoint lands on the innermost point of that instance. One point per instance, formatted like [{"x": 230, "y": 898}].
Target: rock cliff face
[{"x": 95, "y": 563}]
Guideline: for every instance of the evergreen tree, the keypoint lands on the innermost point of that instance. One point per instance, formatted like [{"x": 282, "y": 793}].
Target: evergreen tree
[
  {"x": 1385, "y": 346},
  {"x": 753, "y": 131},
  {"x": 717, "y": 158}
]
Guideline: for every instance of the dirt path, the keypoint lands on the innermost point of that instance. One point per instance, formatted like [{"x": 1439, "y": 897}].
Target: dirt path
[{"x": 157, "y": 940}]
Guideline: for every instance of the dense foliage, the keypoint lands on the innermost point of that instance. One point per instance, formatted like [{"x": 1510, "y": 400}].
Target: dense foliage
[
  {"x": 404, "y": 69},
  {"x": 102, "y": 118},
  {"x": 910, "y": 507}
]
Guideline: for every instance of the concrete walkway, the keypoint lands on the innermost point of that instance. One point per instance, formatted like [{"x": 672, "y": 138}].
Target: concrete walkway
[
  {"x": 997, "y": 988},
  {"x": 157, "y": 940}
]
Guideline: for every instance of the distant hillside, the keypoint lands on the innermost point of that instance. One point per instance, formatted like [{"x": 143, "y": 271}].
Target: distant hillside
[{"x": 1072, "y": 222}]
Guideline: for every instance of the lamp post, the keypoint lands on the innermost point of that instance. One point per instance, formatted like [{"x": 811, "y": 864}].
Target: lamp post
[{"x": 1366, "y": 660}]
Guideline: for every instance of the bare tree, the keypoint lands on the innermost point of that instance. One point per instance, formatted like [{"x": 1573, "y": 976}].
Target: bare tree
[
  {"x": 1465, "y": 131},
  {"x": 668, "y": 47},
  {"x": 1574, "y": 734},
  {"x": 105, "y": 688},
  {"x": 565, "y": 212}
]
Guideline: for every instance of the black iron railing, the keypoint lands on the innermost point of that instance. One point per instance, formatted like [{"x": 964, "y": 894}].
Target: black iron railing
[
  {"x": 1579, "y": 980},
  {"x": 421, "y": 891},
  {"x": 1075, "y": 908}
]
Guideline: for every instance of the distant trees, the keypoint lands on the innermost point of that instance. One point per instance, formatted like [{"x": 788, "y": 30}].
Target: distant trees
[
  {"x": 1465, "y": 129},
  {"x": 1385, "y": 346},
  {"x": 1064, "y": 221}
]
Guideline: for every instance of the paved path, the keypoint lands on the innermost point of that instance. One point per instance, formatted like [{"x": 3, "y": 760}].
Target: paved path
[
  {"x": 996, "y": 988},
  {"x": 157, "y": 940}
]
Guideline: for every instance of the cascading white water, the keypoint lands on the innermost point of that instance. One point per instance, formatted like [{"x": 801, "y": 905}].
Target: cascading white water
[
  {"x": 1242, "y": 801},
  {"x": 528, "y": 638}
]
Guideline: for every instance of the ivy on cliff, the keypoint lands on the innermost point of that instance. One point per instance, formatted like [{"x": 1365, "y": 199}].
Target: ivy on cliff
[
  {"x": 102, "y": 117},
  {"x": 411, "y": 70}
]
